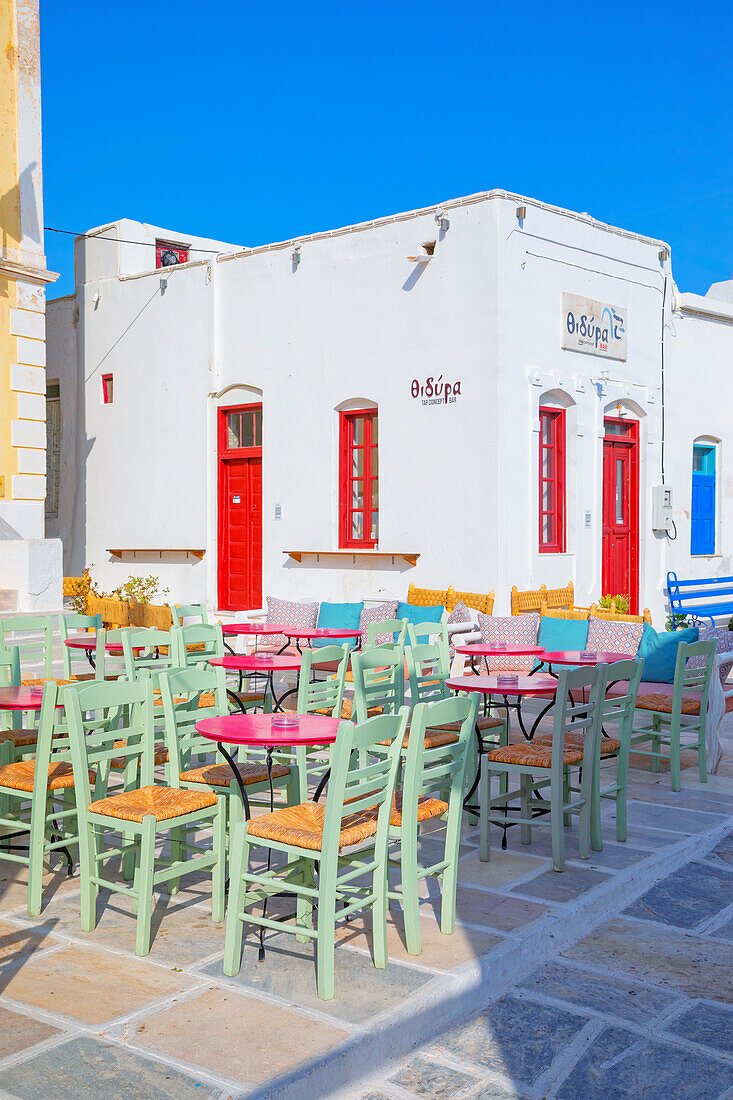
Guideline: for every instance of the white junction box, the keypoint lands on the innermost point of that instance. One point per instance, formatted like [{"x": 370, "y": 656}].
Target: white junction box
[{"x": 662, "y": 508}]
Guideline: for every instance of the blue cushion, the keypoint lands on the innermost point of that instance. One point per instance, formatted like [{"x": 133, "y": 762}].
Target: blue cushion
[
  {"x": 335, "y": 616},
  {"x": 660, "y": 652},
  {"x": 555, "y": 634},
  {"x": 415, "y": 613}
]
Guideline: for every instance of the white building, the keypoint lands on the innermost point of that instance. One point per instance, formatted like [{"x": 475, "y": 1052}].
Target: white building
[{"x": 449, "y": 329}]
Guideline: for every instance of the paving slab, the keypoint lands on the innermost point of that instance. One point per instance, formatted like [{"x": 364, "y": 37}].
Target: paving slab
[
  {"x": 438, "y": 950},
  {"x": 18, "y": 1032},
  {"x": 562, "y": 886},
  {"x": 90, "y": 984},
  {"x": 710, "y": 1025},
  {"x": 687, "y": 898},
  {"x": 18, "y": 944},
  {"x": 693, "y": 965},
  {"x": 236, "y": 1036},
  {"x": 289, "y": 971},
  {"x": 516, "y": 1038},
  {"x": 88, "y": 1068},
  {"x": 181, "y": 931},
  {"x": 423, "y": 1076},
  {"x": 14, "y": 886},
  {"x": 502, "y": 868},
  {"x": 673, "y": 819},
  {"x": 626, "y": 1066},
  {"x": 724, "y": 932},
  {"x": 614, "y": 996},
  {"x": 722, "y": 853}
]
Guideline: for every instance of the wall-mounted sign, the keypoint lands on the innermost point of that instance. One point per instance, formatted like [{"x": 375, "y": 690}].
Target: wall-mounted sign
[
  {"x": 434, "y": 391},
  {"x": 595, "y": 328}
]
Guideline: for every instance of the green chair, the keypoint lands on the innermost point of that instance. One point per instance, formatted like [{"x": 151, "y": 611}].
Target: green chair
[
  {"x": 319, "y": 696},
  {"x": 538, "y": 767},
  {"x": 99, "y": 714},
  {"x": 19, "y": 737},
  {"x": 76, "y": 661},
  {"x": 195, "y": 611},
  {"x": 22, "y": 631},
  {"x": 389, "y": 626},
  {"x": 433, "y": 785},
  {"x": 611, "y": 751},
  {"x": 345, "y": 840},
  {"x": 429, "y": 632},
  {"x": 42, "y": 790},
  {"x": 188, "y": 695},
  {"x": 148, "y": 651},
  {"x": 379, "y": 680},
  {"x": 195, "y": 643},
  {"x": 683, "y": 714}
]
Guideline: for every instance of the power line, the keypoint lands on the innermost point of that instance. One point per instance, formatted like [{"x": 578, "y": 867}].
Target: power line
[{"x": 121, "y": 240}]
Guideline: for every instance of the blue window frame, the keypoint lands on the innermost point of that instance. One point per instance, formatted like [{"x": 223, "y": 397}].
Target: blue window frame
[{"x": 702, "y": 535}]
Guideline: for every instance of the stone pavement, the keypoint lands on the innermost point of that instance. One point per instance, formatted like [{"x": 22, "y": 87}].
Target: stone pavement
[{"x": 609, "y": 979}]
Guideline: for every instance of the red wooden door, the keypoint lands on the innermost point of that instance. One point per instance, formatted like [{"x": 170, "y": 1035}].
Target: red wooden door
[
  {"x": 621, "y": 510},
  {"x": 240, "y": 508}
]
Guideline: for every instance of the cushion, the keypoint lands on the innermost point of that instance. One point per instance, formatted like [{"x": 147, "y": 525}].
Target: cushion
[
  {"x": 415, "y": 613},
  {"x": 614, "y": 637},
  {"x": 378, "y": 614},
  {"x": 660, "y": 652},
  {"x": 345, "y": 615},
  {"x": 511, "y": 630},
  {"x": 556, "y": 634},
  {"x": 723, "y": 639},
  {"x": 460, "y": 614},
  {"x": 289, "y": 613}
]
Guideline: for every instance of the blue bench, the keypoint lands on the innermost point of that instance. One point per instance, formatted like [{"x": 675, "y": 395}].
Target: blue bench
[{"x": 704, "y": 598}]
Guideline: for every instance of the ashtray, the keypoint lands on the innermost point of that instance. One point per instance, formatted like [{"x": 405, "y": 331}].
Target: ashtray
[
  {"x": 498, "y": 645},
  {"x": 261, "y": 656},
  {"x": 285, "y": 721},
  {"x": 507, "y": 681},
  {"x": 588, "y": 655}
]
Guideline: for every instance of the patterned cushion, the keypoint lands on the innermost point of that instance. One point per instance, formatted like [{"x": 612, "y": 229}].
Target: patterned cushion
[
  {"x": 614, "y": 637},
  {"x": 723, "y": 639},
  {"x": 289, "y": 613},
  {"x": 378, "y": 614},
  {"x": 459, "y": 614},
  {"x": 511, "y": 630}
]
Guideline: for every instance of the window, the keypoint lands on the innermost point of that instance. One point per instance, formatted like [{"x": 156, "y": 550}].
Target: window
[
  {"x": 702, "y": 528},
  {"x": 552, "y": 481},
  {"x": 53, "y": 448},
  {"x": 107, "y": 389},
  {"x": 168, "y": 254},
  {"x": 359, "y": 480},
  {"x": 244, "y": 427}
]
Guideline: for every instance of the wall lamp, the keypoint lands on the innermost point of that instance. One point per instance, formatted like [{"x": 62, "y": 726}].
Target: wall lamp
[
  {"x": 296, "y": 257},
  {"x": 521, "y": 213},
  {"x": 442, "y": 220},
  {"x": 663, "y": 255}
]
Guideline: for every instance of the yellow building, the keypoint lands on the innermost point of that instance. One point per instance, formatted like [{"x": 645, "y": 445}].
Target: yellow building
[{"x": 30, "y": 565}]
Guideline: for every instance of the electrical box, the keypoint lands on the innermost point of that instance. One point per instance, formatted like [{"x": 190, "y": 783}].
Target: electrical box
[{"x": 662, "y": 509}]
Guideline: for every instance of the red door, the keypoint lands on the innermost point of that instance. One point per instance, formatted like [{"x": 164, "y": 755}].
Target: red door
[
  {"x": 240, "y": 507},
  {"x": 621, "y": 510}
]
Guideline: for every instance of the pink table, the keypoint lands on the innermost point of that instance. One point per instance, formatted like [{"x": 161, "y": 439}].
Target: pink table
[
  {"x": 89, "y": 643},
  {"x": 250, "y": 630},
  {"x": 575, "y": 657},
  {"x": 20, "y": 698},
  {"x": 310, "y": 634},
  {"x": 263, "y": 664},
  {"x": 526, "y": 687},
  {"x": 496, "y": 651}
]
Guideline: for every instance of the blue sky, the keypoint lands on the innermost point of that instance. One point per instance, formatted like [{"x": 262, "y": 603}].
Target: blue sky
[{"x": 254, "y": 122}]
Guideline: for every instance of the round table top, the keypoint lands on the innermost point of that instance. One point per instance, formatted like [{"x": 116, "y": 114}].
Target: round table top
[
  {"x": 489, "y": 685},
  {"x": 258, "y": 662},
  {"x": 575, "y": 657},
  {"x": 256, "y": 729},
  {"x": 84, "y": 642},
  {"x": 309, "y": 633},
  {"x": 500, "y": 651},
  {"x": 21, "y": 698},
  {"x": 253, "y": 628}
]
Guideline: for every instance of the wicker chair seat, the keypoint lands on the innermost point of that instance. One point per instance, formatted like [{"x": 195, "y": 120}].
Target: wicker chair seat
[
  {"x": 483, "y": 723},
  {"x": 657, "y": 701},
  {"x": 39, "y": 681},
  {"x": 119, "y": 763},
  {"x": 19, "y": 737},
  {"x": 531, "y": 756},
  {"x": 302, "y": 826},
  {"x": 609, "y": 745},
  {"x": 162, "y": 803},
  {"x": 242, "y": 697},
  {"x": 220, "y": 775},
  {"x": 20, "y": 776},
  {"x": 427, "y": 807},
  {"x": 347, "y": 710}
]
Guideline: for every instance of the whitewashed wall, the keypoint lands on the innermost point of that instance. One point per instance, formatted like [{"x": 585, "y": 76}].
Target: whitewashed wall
[{"x": 355, "y": 320}]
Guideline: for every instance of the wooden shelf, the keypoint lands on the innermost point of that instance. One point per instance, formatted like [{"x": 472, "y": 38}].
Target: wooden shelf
[
  {"x": 156, "y": 550},
  {"x": 297, "y": 555}
]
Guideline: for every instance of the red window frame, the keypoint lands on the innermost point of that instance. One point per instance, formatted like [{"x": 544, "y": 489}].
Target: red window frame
[
  {"x": 224, "y": 450},
  {"x": 555, "y": 449},
  {"x": 166, "y": 246},
  {"x": 108, "y": 392},
  {"x": 347, "y": 447}
]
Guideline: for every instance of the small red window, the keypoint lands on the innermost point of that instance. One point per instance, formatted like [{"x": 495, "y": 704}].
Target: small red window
[
  {"x": 359, "y": 480},
  {"x": 552, "y": 481},
  {"x": 107, "y": 389},
  {"x": 168, "y": 255}
]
